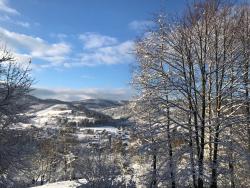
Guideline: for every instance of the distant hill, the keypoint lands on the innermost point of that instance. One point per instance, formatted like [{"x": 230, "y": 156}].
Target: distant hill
[
  {"x": 100, "y": 103},
  {"x": 48, "y": 112}
]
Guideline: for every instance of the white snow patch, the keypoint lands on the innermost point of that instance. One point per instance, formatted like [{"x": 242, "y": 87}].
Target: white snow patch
[
  {"x": 57, "y": 109},
  {"x": 64, "y": 184},
  {"x": 107, "y": 128}
]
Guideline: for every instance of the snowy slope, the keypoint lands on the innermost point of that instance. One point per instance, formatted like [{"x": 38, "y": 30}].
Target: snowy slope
[
  {"x": 50, "y": 113},
  {"x": 63, "y": 184},
  {"x": 100, "y": 103}
]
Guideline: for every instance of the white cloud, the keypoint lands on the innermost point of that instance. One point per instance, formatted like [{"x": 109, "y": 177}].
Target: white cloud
[
  {"x": 140, "y": 25},
  {"x": 94, "y": 40},
  {"x": 102, "y": 49},
  {"x": 6, "y": 18},
  {"x": 22, "y": 58},
  {"x": 116, "y": 54},
  {"x": 108, "y": 52},
  {"x": 35, "y": 46},
  {"x": 81, "y": 94},
  {"x": 4, "y": 7},
  {"x": 23, "y": 24}
]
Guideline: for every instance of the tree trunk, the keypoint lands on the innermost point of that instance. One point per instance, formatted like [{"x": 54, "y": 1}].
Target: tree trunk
[
  {"x": 170, "y": 149},
  {"x": 154, "y": 181}
]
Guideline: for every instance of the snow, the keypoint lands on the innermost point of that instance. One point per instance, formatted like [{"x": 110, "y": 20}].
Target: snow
[
  {"x": 57, "y": 109},
  {"x": 64, "y": 184},
  {"x": 107, "y": 128},
  {"x": 50, "y": 115},
  {"x": 53, "y": 111}
]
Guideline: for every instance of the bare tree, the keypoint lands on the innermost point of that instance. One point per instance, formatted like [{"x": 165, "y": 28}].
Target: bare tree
[
  {"x": 197, "y": 68},
  {"x": 15, "y": 82}
]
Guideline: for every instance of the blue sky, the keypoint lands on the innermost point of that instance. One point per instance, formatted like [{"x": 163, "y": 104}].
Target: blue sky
[{"x": 80, "y": 48}]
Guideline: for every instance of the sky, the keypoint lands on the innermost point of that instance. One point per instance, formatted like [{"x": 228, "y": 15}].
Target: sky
[{"x": 79, "y": 49}]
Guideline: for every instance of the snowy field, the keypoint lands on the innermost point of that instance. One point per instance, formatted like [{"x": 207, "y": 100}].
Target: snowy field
[
  {"x": 97, "y": 129},
  {"x": 64, "y": 184}
]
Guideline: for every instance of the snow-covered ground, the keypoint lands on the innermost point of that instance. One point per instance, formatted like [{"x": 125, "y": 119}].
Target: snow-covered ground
[
  {"x": 96, "y": 129},
  {"x": 90, "y": 128},
  {"x": 51, "y": 114},
  {"x": 64, "y": 184},
  {"x": 83, "y": 135},
  {"x": 48, "y": 115}
]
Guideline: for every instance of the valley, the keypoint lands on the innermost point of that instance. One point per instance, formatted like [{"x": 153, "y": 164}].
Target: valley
[{"x": 68, "y": 131}]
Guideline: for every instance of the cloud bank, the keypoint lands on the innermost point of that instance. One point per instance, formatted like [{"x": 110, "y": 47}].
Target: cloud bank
[
  {"x": 95, "y": 40},
  {"x": 4, "y": 7},
  {"x": 97, "y": 50},
  {"x": 35, "y": 47},
  {"x": 82, "y": 94}
]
